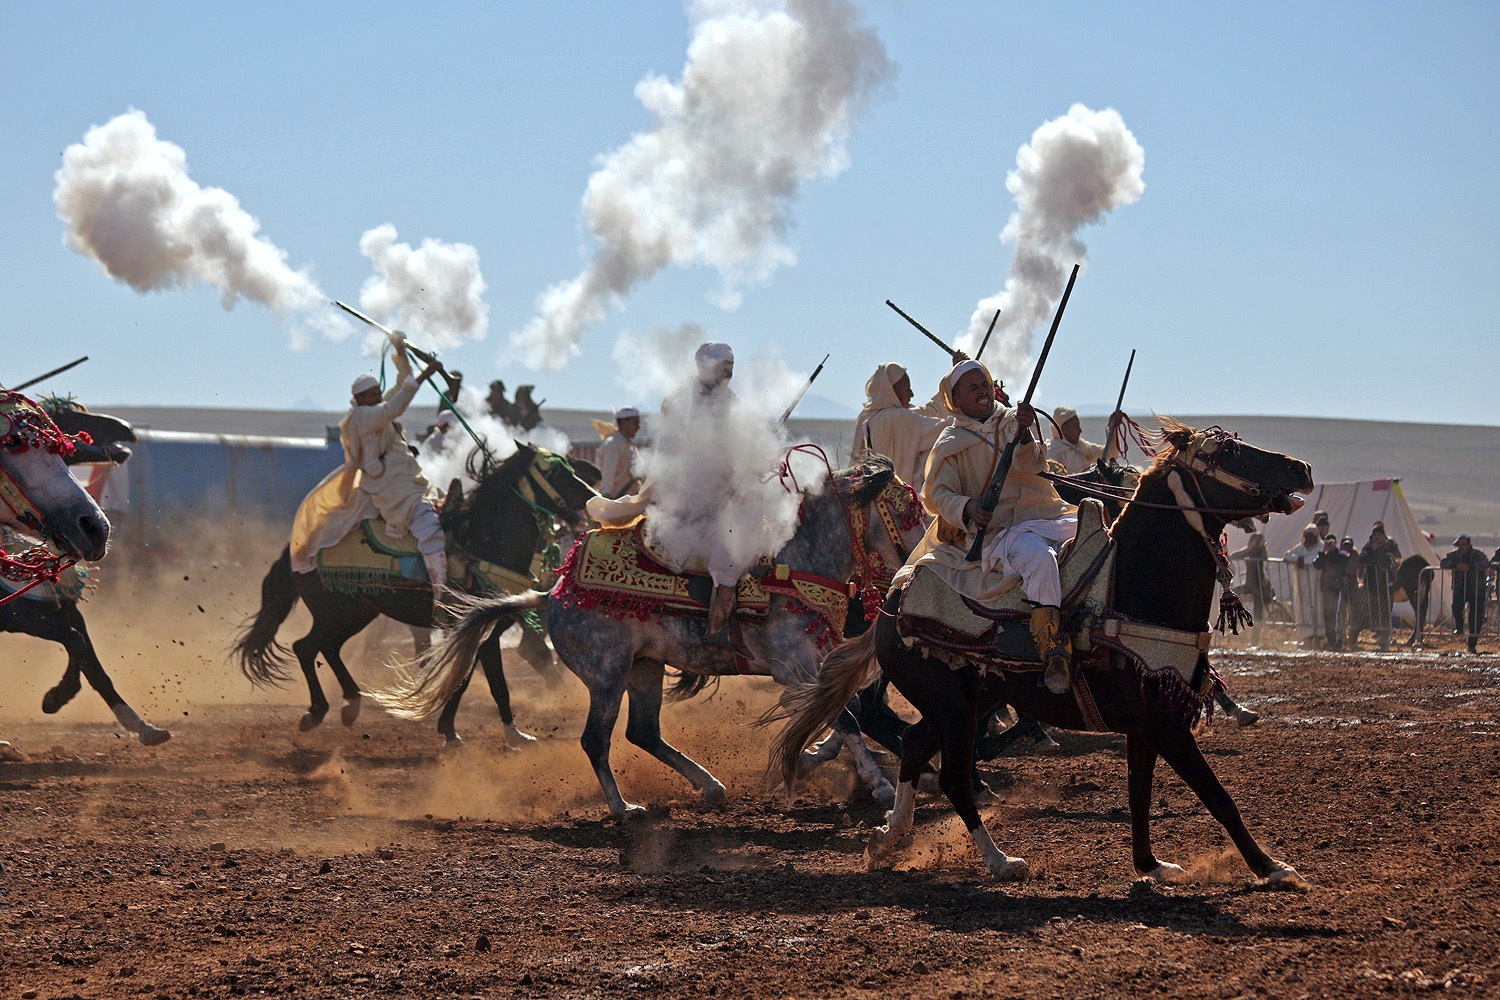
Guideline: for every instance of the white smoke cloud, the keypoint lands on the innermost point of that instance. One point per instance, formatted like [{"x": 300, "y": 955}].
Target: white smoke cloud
[
  {"x": 435, "y": 292},
  {"x": 1074, "y": 171},
  {"x": 764, "y": 105},
  {"x": 713, "y": 473},
  {"x": 130, "y": 205}
]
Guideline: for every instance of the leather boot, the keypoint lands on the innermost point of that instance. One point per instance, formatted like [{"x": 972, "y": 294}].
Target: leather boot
[
  {"x": 720, "y": 610},
  {"x": 1055, "y": 647}
]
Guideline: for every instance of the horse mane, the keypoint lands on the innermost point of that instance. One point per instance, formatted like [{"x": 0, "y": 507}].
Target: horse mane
[
  {"x": 865, "y": 479},
  {"x": 1175, "y": 436},
  {"x": 489, "y": 475}
]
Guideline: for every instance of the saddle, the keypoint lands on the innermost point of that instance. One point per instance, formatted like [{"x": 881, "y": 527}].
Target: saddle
[
  {"x": 934, "y": 614},
  {"x": 960, "y": 631},
  {"x": 367, "y": 559}
]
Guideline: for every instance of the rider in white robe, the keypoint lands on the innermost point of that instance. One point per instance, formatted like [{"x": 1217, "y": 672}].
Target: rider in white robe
[
  {"x": 889, "y": 426},
  {"x": 379, "y": 478}
]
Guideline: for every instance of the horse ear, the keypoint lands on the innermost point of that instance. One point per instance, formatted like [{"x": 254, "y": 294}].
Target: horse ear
[{"x": 455, "y": 496}]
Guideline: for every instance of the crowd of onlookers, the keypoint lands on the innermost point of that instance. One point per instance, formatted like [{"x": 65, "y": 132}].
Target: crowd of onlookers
[{"x": 1339, "y": 590}]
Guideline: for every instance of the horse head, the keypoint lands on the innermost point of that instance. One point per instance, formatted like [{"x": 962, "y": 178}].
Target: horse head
[
  {"x": 37, "y": 493},
  {"x": 1233, "y": 477},
  {"x": 861, "y": 525},
  {"x": 501, "y": 518}
]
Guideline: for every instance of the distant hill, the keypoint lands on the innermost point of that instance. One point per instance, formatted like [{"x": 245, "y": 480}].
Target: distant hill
[{"x": 1450, "y": 473}]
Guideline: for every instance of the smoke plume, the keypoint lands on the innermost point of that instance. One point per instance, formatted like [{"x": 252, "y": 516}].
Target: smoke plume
[
  {"x": 435, "y": 291},
  {"x": 764, "y": 105},
  {"x": 713, "y": 468},
  {"x": 1074, "y": 171},
  {"x": 445, "y": 455},
  {"x": 130, "y": 205}
]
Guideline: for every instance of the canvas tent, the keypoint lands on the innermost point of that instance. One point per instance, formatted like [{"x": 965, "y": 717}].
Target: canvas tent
[{"x": 1352, "y": 508}]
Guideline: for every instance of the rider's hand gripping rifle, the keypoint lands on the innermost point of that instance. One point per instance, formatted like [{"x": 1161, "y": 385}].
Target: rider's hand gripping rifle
[{"x": 991, "y": 496}]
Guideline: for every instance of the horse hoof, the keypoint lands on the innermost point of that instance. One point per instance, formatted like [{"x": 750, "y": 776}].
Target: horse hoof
[
  {"x": 1285, "y": 877},
  {"x": 884, "y": 794},
  {"x": 1167, "y": 873},
  {"x": 632, "y": 813},
  {"x": 349, "y": 714},
  {"x": 53, "y": 701},
  {"x": 454, "y": 742},
  {"x": 1047, "y": 745},
  {"x": 1009, "y": 869},
  {"x": 515, "y": 738},
  {"x": 309, "y": 722},
  {"x": 715, "y": 795},
  {"x": 1245, "y": 717},
  {"x": 153, "y": 737},
  {"x": 9, "y": 752},
  {"x": 879, "y": 849}
]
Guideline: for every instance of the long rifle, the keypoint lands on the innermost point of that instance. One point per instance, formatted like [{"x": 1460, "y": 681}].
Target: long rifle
[
  {"x": 991, "y": 497},
  {"x": 427, "y": 359},
  {"x": 787, "y": 414},
  {"x": 1114, "y": 417},
  {"x": 928, "y": 333},
  {"x": 55, "y": 371},
  {"x": 986, "y": 341}
]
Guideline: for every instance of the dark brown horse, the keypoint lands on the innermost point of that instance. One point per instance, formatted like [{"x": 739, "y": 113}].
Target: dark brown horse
[{"x": 1166, "y": 569}]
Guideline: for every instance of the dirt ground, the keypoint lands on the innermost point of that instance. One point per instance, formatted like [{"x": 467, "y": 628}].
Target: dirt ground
[{"x": 245, "y": 858}]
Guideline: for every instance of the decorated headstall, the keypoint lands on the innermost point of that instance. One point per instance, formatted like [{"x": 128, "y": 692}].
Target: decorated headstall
[
  {"x": 25, "y": 426},
  {"x": 1203, "y": 453},
  {"x": 534, "y": 483}
]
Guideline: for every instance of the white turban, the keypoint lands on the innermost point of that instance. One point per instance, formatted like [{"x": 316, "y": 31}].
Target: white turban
[
  {"x": 446, "y": 419},
  {"x": 363, "y": 383},
  {"x": 950, "y": 381},
  {"x": 1063, "y": 414},
  {"x": 626, "y": 412},
  {"x": 711, "y": 354}
]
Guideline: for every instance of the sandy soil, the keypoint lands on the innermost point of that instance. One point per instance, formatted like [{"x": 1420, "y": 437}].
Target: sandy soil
[{"x": 246, "y": 858}]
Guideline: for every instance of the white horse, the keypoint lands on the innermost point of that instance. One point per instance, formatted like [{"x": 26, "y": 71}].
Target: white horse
[{"x": 40, "y": 498}]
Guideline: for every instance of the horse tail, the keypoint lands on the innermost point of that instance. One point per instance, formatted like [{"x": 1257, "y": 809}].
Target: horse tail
[
  {"x": 689, "y": 684},
  {"x": 810, "y": 709},
  {"x": 262, "y": 659},
  {"x": 424, "y": 684}
]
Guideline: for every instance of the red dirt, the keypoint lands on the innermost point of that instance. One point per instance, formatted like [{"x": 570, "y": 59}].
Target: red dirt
[{"x": 245, "y": 858}]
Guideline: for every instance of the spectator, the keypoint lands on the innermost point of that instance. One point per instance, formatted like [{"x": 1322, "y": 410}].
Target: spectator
[
  {"x": 1470, "y": 586},
  {"x": 1305, "y": 582},
  {"x": 1257, "y": 585},
  {"x": 1351, "y": 589},
  {"x": 1332, "y": 564},
  {"x": 1320, "y": 521},
  {"x": 1378, "y": 560}
]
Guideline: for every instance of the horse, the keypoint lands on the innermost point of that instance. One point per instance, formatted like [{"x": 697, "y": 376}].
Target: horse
[
  {"x": 40, "y": 498},
  {"x": 497, "y": 523},
  {"x": 856, "y": 526},
  {"x": 1168, "y": 558}
]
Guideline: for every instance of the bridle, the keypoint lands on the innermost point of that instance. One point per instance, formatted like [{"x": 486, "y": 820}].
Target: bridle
[{"x": 25, "y": 426}]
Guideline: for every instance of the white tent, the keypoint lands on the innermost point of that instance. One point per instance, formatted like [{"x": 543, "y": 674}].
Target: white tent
[{"x": 1352, "y": 509}]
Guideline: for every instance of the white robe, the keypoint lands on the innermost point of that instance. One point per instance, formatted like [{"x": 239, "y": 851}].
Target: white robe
[
  {"x": 900, "y": 433},
  {"x": 379, "y": 477},
  {"x": 1075, "y": 458}
]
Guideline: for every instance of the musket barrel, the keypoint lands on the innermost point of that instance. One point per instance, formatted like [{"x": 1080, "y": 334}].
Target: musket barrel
[
  {"x": 56, "y": 371},
  {"x": 787, "y": 413},
  {"x": 928, "y": 333},
  {"x": 991, "y": 497},
  {"x": 986, "y": 341},
  {"x": 1114, "y": 420}
]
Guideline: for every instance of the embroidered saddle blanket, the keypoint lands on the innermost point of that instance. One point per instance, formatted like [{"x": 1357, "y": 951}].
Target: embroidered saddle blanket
[
  {"x": 368, "y": 559},
  {"x": 613, "y": 569},
  {"x": 960, "y": 631},
  {"x": 934, "y": 614}
]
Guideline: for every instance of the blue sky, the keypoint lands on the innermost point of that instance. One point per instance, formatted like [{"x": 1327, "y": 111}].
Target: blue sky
[{"x": 1317, "y": 236}]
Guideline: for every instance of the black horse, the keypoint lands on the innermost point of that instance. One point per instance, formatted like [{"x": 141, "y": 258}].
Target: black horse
[
  {"x": 497, "y": 523},
  {"x": 1166, "y": 569}
]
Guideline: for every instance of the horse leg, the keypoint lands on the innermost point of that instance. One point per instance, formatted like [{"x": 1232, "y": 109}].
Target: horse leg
[
  {"x": 88, "y": 660},
  {"x": 643, "y": 728},
  {"x": 1179, "y": 749},
  {"x": 65, "y": 689},
  {"x": 918, "y": 745},
  {"x": 334, "y": 623},
  {"x": 353, "y": 697},
  {"x": 864, "y": 764},
  {"x": 956, "y": 779},
  {"x": 491, "y": 660},
  {"x": 1140, "y": 766},
  {"x": 445, "y": 725},
  {"x": 605, "y": 693},
  {"x": 306, "y": 650}
]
